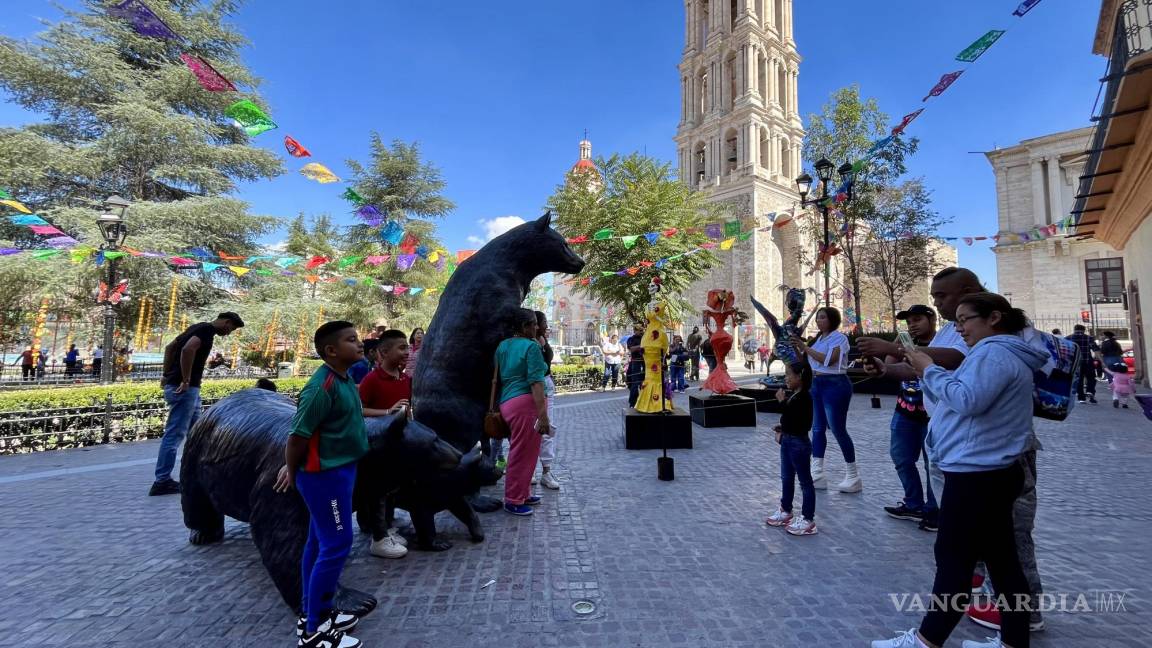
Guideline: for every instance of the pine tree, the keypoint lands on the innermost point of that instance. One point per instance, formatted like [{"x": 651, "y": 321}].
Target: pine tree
[{"x": 122, "y": 114}]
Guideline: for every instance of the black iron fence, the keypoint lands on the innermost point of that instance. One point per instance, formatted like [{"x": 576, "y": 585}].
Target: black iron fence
[{"x": 57, "y": 375}]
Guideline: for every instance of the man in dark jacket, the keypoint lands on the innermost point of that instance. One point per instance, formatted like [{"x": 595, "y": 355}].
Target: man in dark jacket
[{"x": 1089, "y": 350}]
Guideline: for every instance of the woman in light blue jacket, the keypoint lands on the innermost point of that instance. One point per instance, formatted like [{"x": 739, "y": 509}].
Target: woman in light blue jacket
[{"x": 981, "y": 425}]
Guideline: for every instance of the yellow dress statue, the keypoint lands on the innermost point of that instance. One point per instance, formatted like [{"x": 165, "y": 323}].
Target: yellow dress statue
[{"x": 655, "y": 347}]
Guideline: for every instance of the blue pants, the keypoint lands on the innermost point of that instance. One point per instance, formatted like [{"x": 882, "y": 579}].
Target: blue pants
[
  {"x": 831, "y": 396},
  {"x": 328, "y": 495},
  {"x": 613, "y": 371},
  {"x": 183, "y": 410},
  {"x": 906, "y": 448},
  {"x": 677, "y": 373},
  {"x": 1108, "y": 361},
  {"x": 635, "y": 378},
  {"x": 796, "y": 463}
]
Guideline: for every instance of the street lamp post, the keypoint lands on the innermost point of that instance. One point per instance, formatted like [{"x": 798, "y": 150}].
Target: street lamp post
[
  {"x": 112, "y": 228},
  {"x": 804, "y": 185}
]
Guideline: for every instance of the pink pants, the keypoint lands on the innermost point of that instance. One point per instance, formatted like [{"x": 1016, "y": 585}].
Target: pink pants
[{"x": 524, "y": 447}]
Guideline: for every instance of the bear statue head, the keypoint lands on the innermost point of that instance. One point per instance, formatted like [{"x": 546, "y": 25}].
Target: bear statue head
[
  {"x": 407, "y": 449},
  {"x": 537, "y": 248}
]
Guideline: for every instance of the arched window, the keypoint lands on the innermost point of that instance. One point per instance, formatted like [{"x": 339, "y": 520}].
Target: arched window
[
  {"x": 702, "y": 24},
  {"x": 762, "y": 77},
  {"x": 782, "y": 88},
  {"x": 730, "y": 68},
  {"x": 778, "y": 18},
  {"x": 765, "y": 150},
  {"x": 699, "y": 163},
  {"x": 701, "y": 94},
  {"x": 732, "y": 10},
  {"x": 730, "y": 152}
]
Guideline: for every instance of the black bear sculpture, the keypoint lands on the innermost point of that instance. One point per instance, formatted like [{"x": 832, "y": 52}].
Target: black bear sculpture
[
  {"x": 450, "y": 388},
  {"x": 235, "y": 450}
]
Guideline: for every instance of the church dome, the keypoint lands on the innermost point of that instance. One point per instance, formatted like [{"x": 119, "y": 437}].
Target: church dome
[{"x": 583, "y": 165}]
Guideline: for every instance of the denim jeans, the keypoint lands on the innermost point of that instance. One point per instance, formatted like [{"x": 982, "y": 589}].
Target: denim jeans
[
  {"x": 1086, "y": 381},
  {"x": 634, "y": 378},
  {"x": 183, "y": 410},
  {"x": 1108, "y": 362},
  {"x": 831, "y": 396},
  {"x": 613, "y": 370},
  {"x": 906, "y": 448},
  {"x": 677, "y": 373},
  {"x": 796, "y": 464}
]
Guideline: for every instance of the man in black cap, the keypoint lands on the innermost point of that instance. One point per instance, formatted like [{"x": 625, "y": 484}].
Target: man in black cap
[
  {"x": 909, "y": 428},
  {"x": 184, "y": 360}
]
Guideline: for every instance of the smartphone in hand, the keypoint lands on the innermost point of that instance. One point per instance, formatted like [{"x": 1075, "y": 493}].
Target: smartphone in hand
[{"x": 905, "y": 340}]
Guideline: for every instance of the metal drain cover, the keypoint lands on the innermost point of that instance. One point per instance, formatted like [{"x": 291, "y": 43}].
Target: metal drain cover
[{"x": 583, "y": 607}]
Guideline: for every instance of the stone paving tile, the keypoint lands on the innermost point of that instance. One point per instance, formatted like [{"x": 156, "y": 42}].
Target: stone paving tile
[{"x": 88, "y": 560}]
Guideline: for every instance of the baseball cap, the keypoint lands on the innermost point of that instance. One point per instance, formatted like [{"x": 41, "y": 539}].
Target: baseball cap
[
  {"x": 918, "y": 309},
  {"x": 231, "y": 317}
]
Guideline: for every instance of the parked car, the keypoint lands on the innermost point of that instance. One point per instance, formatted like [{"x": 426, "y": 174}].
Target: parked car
[{"x": 1130, "y": 360}]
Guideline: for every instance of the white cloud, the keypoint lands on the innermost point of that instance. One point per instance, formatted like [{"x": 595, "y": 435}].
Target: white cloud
[
  {"x": 278, "y": 246},
  {"x": 475, "y": 240},
  {"x": 496, "y": 226}
]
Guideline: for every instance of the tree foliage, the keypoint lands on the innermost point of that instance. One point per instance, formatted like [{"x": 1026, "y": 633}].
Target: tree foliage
[
  {"x": 844, "y": 131},
  {"x": 634, "y": 194},
  {"x": 899, "y": 251},
  {"x": 119, "y": 113}
]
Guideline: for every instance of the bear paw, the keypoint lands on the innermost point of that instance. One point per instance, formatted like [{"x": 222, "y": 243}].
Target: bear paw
[{"x": 201, "y": 537}]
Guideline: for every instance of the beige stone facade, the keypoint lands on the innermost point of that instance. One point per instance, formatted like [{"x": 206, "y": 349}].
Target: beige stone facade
[
  {"x": 740, "y": 135},
  {"x": 1036, "y": 184}
]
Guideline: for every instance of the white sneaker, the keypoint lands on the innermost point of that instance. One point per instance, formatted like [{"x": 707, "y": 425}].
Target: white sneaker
[
  {"x": 549, "y": 481},
  {"x": 535, "y": 479},
  {"x": 779, "y": 518},
  {"x": 906, "y": 639},
  {"x": 387, "y": 547},
  {"x": 989, "y": 642},
  {"x": 801, "y": 527},
  {"x": 394, "y": 533}
]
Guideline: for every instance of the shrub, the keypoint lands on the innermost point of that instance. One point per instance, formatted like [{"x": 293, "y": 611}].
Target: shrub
[{"x": 123, "y": 393}]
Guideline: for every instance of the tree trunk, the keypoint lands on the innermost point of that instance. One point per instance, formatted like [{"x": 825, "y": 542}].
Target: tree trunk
[{"x": 892, "y": 304}]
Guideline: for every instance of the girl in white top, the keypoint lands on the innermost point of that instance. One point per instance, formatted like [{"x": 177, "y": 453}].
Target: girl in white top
[{"x": 831, "y": 396}]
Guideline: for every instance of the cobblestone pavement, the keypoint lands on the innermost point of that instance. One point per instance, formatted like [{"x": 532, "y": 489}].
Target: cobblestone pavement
[{"x": 89, "y": 560}]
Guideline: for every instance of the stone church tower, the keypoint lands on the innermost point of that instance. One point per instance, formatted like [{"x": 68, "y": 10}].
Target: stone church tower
[{"x": 740, "y": 138}]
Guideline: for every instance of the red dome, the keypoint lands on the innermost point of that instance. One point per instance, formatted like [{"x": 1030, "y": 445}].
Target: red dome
[{"x": 582, "y": 165}]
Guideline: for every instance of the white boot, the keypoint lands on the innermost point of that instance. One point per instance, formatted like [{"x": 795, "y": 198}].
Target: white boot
[
  {"x": 818, "y": 479},
  {"x": 851, "y": 483}
]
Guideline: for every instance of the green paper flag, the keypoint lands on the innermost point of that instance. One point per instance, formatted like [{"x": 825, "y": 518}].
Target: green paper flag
[
  {"x": 731, "y": 228},
  {"x": 981, "y": 45},
  {"x": 744, "y": 236},
  {"x": 347, "y": 261},
  {"x": 605, "y": 273},
  {"x": 351, "y": 195},
  {"x": 44, "y": 254},
  {"x": 603, "y": 234},
  {"x": 253, "y": 120},
  {"x": 264, "y": 271},
  {"x": 858, "y": 165},
  {"x": 113, "y": 255},
  {"x": 629, "y": 241},
  {"x": 4, "y": 195}
]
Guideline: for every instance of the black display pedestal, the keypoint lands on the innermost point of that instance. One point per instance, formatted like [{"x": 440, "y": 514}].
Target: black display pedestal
[
  {"x": 765, "y": 398},
  {"x": 722, "y": 410},
  {"x": 643, "y": 431}
]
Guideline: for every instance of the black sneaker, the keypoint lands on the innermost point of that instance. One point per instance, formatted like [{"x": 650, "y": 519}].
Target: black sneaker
[
  {"x": 327, "y": 637},
  {"x": 341, "y": 622},
  {"x": 1115, "y": 404},
  {"x": 902, "y": 512},
  {"x": 1092, "y": 399},
  {"x": 928, "y": 524},
  {"x": 167, "y": 487}
]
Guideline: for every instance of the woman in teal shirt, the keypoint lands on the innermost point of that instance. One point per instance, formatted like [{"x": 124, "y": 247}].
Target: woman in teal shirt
[{"x": 522, "y": 404}]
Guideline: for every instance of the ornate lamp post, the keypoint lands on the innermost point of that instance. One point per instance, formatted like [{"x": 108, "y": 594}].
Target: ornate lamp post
[
  {"x": 804, "y": 185},
  {"x": 113, "y": 229}
]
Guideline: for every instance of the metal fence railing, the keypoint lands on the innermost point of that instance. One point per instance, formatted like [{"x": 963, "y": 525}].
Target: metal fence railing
[{"x": 57, "y": 375}]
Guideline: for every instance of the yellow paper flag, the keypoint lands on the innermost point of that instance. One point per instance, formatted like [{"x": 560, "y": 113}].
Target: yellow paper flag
[
  {"x": 17, "y": 205},
  {"x": 319, "y": 173},
  {"x": 726, "y": 244},
  {"x": 239, "y": 270}
]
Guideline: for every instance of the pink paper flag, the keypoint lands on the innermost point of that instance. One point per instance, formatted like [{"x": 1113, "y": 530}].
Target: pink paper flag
[
  {"x": 942, "y": 85},
  {"x": 400, "y": 290},
  {"x": 968, "y": 240},
  {"x": 377, "y": 259},
  {"x": 209, "y": 78},
  {"x": 44, "y": 229}
]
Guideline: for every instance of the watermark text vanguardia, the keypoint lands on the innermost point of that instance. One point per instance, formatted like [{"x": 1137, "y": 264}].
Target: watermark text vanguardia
[{"x": 1090, "y": 601}]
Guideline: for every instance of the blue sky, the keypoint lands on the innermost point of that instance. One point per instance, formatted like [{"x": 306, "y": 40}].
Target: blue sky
[{"x": 499, "y": 94}]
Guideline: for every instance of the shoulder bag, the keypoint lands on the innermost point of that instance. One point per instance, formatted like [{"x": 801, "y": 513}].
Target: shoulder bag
[{"x": 495, "y": 427}]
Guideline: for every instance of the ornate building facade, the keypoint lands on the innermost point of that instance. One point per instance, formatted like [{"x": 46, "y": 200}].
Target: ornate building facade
[{"x": 740, "y": 136}]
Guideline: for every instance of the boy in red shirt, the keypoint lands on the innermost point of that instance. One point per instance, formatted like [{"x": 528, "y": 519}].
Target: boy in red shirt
[{"x": 387, "y": 390}]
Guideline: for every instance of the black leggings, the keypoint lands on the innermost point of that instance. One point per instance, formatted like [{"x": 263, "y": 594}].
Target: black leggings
[{"x": 976, "y": 524}]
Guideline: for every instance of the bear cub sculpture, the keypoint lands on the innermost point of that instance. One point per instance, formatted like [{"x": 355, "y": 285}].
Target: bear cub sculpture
[{"x": 235, "y": 450}]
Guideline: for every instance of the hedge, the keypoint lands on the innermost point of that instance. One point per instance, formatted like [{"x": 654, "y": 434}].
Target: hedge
[{"x": 122, "y": 393}]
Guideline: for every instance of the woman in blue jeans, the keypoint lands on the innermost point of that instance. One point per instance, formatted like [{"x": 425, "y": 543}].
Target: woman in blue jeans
[{"x": 831, "y": 396}]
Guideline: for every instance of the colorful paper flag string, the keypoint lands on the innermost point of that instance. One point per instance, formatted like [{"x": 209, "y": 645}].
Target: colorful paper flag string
[
  {"x": 210, "y": 79},
  {"x": 1025, "y": 7},
  {"x": 351, "y": 196},
  {"x": 908, "y": 119},
  {"x": 979, "y": 46},
  {"x": 319, "y": 173},
  {"x": 17, "y": 205}
]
